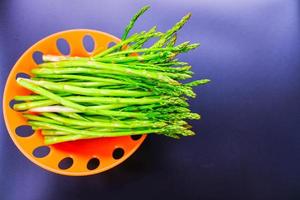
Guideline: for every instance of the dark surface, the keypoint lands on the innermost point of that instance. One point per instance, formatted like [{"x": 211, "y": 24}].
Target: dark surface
[{"x": 248, "y": 142}]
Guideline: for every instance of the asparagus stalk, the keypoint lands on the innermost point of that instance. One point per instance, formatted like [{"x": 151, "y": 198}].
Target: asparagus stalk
[
  {"x": 172, "y": 41},
  {"x": 76, "y": 131},
  {"x": 64, "y": 67},
  {"x": 34, "y": 104},
  {"x": 84, "y": 78},
  {"x": 139, "y": 43},
  {"x": 164, "y": 38},
  {"x": 72, "y": 137},
  {"x": 133, "y": 20},
  {"x": 62, "y": 109},
  {"x": 48, "y": 94},
  {"x": 74, "y": 116},
  {"x": 53, "y": 132},
  {"x": 87, "y": 84},
  {"x": 87, "y": 91},
  {"x": 103, "y": 123},
  {"x": 134, "y": 37},
  {"x": 178, "y": 49},
  {"x": 164, "y": 100}
]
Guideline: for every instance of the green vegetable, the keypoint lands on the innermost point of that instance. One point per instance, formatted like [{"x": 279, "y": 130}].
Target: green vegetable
[
  {"x": 127, "y": 89},
  {"x": 133, "y": 20},
  {"x": 164, "y": 38}
]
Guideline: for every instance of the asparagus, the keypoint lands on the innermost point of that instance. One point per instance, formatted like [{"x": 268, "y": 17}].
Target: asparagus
[
  {"x": 184, "y": 47},
  {"x": 127, "y": 89},
  {"x": 40, "y": 101},
  {"x": 56, "y": 119},
  {"x": 64, "y": 67},
  {"x": 53, "y": 132},
  {"x": 171, "y": 31},
  {"x": 48, "y": 94},
  {"x": 172, "y": 40},
  {"x": 86, "y": 84},
  {"x": 74, "y": 116},
  {"x": 142, "y": 41},
  {"x": 155, "y": 67},
  {"x": 34, "y": 104},
  {"x": 84, "y": 78},
  {"x": 41, "y": 119},
  {"x": 85, "y": 91},
  {"x": 133, "y": 20},
  {"x": 71, "y": 110},
  {"x": 76, "y": 131},
  {"x": 134, "y": 37},
  {"x": 71, "y": 137}
]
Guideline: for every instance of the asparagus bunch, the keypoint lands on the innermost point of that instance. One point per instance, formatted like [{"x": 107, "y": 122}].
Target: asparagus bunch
[{"x": 127, "y": 89}]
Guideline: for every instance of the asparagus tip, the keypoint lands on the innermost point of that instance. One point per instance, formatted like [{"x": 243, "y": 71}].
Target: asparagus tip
[
  {"x": 189, "y": 15},
  {"x": 146, "y": 7}
]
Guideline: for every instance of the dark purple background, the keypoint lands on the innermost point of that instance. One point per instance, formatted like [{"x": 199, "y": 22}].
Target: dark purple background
[{"x": 248, "y": 142}]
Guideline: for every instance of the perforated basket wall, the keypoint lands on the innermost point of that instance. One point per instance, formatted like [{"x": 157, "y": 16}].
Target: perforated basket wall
[{"x": 77, "y": 158}]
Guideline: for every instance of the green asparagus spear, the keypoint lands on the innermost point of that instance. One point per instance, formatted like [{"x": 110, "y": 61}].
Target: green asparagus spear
[{"x": 133, "y": 20}]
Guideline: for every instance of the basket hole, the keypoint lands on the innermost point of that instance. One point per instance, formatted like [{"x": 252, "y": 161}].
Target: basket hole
[
  {"x": 24, "y": 131},
  {"x": 65, "y": 163},
  {"x": 63, "y": 46},
  {"x": 93, "y": 163},
  {"x": 88, "y": 43},
  {"x": 13, "y": 102},
  {"x": 41, "y": 151},
  {"x": 22, "y": 75},
  {"x": 37, "y": 57},
  {"x": 135, "y": 137},
  {"x": 118, "y": 153},
  {"x": 111, "y": 44}
]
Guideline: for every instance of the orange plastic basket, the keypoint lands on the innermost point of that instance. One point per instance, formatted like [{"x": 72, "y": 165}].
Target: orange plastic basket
[{"x": 77, "y": 158}]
